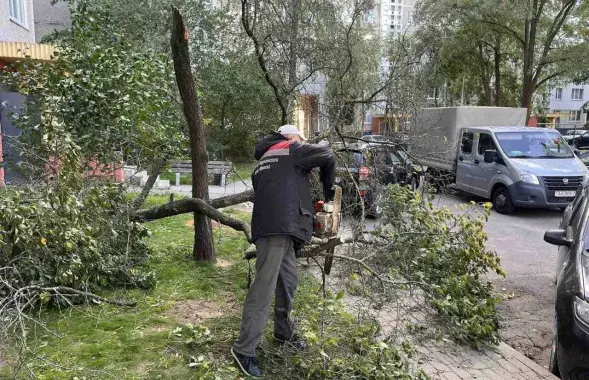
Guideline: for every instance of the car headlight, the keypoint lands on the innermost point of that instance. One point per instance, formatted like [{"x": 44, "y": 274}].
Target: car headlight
[
  {"x": 582, "y": 310},
  {"x": 528, "y": 177}
]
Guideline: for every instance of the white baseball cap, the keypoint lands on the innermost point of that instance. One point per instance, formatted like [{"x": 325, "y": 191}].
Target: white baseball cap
[{"x": 289, "y": 130}]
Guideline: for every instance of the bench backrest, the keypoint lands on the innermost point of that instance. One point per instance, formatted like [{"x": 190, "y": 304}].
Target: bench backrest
[{"x": 222, "y": 167}]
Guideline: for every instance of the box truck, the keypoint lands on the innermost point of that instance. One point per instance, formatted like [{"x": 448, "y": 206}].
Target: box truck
[{"x": 489, "y": 152}]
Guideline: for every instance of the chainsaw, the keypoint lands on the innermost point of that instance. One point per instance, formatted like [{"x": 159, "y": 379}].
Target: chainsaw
[{"x": 327, "y": 220}]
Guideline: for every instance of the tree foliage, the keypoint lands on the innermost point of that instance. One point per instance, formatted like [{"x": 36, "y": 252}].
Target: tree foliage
[
  {"x": 444, "y": 253},
  {"x": 506, "y": 51},
  {"x": 112, "y": 100}
]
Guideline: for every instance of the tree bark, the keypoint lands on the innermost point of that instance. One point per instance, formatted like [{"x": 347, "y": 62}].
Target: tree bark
[
  {"x": 203, "y": 233},
  {"x": 190, "y": 205},
  {"x": 154, "y": 172},
  {"x": 530, "y": 30},
  {"x": 497, "y": 57},
  {"x": 484, "y": 76}
]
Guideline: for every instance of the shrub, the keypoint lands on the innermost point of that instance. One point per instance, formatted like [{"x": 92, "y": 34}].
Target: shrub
[{"x": 56, "y": 237}]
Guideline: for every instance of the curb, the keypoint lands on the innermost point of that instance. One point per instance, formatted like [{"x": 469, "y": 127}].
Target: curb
[{"x": 508, "y": 352}]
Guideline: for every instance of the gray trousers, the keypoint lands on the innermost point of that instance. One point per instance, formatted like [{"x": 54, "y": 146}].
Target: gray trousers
[{"x": 276, "y": 273}]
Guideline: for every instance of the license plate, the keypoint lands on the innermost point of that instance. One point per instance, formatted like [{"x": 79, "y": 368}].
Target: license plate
[{"x": 565, "y": 194}]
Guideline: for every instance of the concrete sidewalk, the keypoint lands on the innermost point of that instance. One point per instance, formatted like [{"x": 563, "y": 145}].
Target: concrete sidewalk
[
  {"x": 440, "y": 359},
  {"x": 449, "y": 361}
]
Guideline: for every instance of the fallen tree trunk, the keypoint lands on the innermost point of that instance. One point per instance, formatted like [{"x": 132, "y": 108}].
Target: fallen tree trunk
[{"x": 185, "y": 206}]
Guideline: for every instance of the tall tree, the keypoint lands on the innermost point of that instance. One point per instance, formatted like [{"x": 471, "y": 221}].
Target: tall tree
[
  {"x": 203, "y": 233},
  {"x": 536, "y": 40}
]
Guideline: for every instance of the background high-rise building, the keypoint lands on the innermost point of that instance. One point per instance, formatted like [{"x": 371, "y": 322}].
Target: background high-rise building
[{"x": 394, "y": 16}]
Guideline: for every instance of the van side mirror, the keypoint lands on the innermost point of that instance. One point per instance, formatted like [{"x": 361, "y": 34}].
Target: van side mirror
[
  {"x": 490, "y": 156},
  {"x": 558, "y": 238}
]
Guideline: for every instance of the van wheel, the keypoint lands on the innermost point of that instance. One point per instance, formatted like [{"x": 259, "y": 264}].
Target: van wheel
[
  {"x": 502, "y": 201},
  {"x": 553, "y": 365}
]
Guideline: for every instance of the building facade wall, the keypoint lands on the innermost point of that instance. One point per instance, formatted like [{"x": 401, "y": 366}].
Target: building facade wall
[
  {"x": 568, "y": 109},
  {"x": 395, "y": 16},
  {"x": 12, "y": 31},
  {"x": 49, "y": 18}
]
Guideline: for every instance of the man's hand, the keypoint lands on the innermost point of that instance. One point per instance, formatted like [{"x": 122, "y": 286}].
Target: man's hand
[{"x": 329, "y": 193}]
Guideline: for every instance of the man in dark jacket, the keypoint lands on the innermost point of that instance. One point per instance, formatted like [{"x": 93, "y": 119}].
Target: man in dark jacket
[{"x": 282, "y": 221}]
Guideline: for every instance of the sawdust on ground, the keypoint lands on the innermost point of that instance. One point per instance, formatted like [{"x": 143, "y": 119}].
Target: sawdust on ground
[
  {"x": 224, "y": 263},
  {"x": 199, "y": 311}
]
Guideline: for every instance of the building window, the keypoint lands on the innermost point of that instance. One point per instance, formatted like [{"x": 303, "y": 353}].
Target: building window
[
  {"x": 575, "y": 116},
  {"x": 558, "y": 94},
  {"x": 410, "y": 18},
  {"x": 18, "y": 12},
  {"x": 577, "y": 94}
]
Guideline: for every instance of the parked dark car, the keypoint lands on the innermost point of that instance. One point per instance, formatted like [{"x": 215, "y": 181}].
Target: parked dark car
[
  {"x": 584, "y": 156},
  {"x": 570, "y": 344},
  {"x": 581, "y": 140},
  {"x": 372, "y": 167}
]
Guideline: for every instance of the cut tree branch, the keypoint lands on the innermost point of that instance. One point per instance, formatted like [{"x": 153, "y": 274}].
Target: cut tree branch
[
  {"x": 190, "y": 205},
  {"x": 197, "y": 206}
]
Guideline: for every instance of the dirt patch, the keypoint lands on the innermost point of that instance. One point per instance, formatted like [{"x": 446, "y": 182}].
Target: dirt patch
[
  {"x": 199, "y": 311},
  {"x": 223, "y": 263},
  {"x": 526, "y": 325},
  {"x": 143, "y": 368}
]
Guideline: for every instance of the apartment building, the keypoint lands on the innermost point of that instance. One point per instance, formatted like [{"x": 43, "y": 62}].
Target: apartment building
[
  {"x": 17, "y": 40},
  {"x": 567, "y": 105}
]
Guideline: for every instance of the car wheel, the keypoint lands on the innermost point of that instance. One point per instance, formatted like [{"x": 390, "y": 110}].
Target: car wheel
[
  {"x": 553, "y": 365},
  {"x": 502, "y": 201}
]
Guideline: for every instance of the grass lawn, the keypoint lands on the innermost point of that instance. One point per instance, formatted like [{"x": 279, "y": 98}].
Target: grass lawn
[
  {"x": 243, "y": 169},
  {"x": 185, "y": 326},
  {"x": 181, "y": 329}
]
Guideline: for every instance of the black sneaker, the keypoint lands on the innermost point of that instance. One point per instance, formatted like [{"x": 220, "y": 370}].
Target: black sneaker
[
  {"x": 296, "y": 341},
  {"x": 247, "y": 364}
]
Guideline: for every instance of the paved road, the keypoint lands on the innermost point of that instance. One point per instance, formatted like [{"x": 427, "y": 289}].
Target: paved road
[{"x": 527, "y": 312}]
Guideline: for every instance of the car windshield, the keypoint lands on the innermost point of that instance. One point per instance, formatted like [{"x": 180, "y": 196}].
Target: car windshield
[
  {"x": 545, "y": 144},
  {"x": 351, "y": 158},
  {"x": 398, "y": 157}
]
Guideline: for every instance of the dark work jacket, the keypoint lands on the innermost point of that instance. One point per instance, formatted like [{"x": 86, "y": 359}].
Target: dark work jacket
[{"x": 283, "y": 204}]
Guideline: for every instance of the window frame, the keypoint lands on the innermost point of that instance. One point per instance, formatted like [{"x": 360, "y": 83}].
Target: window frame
[
  {"x": 493, "y": 145},
  {"x": 558, "y": 93},
  {"x": 575, "y": 115},
  {"x": 581, "y": 94},
  {"x": 21, "y": 5},
  {"x": 462, "y": 139}
]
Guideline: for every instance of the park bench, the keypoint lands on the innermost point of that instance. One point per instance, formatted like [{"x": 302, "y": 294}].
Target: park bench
[{"x": 219, "y": 170}]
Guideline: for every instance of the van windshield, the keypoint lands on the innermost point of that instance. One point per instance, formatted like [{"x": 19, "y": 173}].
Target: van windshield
[{"x": 545, "y": 144}]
